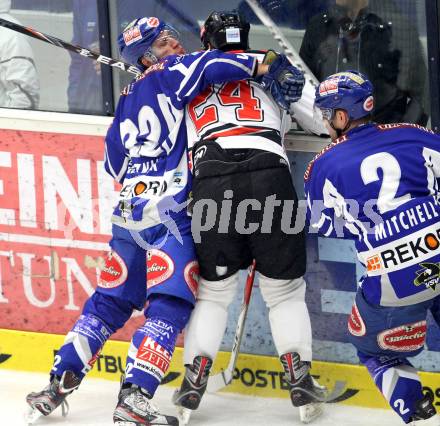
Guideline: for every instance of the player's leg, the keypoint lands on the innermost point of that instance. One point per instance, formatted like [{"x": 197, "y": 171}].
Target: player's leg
[
  {"x": 385, "y": 337},
  {"x": 286, "y": 302},
  {"x": 220, "y": 255},
  {"x": 104, "y": 313},
  {"x": 203, "y": 337},
  {"x": 283, "y": 287},
  {"x": 148, "y": 360},
  {"x": 400, "y": 384},
  {"x": 172, "y": 282}
]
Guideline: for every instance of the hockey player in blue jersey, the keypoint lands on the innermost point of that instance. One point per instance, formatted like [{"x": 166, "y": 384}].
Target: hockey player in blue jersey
[
  {"x": 152, "y": 253},
  {"x": 378, "y": 184}
]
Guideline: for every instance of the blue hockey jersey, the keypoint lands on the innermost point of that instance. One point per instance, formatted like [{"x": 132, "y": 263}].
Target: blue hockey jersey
[
  {"x": 146, "y": 145},
  {"x": 378, "y": 184}
]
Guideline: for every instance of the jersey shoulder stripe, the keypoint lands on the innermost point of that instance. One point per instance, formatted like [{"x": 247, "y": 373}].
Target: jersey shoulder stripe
[{"x": 326, "y": 149}]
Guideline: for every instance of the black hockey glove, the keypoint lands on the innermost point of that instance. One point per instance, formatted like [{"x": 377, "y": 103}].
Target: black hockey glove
[{"x": 284, "y": 81}]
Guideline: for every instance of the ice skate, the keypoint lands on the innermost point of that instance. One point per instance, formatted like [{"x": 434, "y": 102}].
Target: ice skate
[
  {"x": 305, "y": 392},
  {"x": 188, "y": 397},
  {"x": 425, "y": 414},
  {"x": 432, "y": 421},
  {"x": 54, "y": 394},
  {"x": 136, "y": 409}
]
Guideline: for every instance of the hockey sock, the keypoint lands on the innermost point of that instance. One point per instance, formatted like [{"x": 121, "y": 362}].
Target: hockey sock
[
  {"x": 398, "y": 381},
  {"x": 81, "y": 347},
  {"x": 153, "y": 344},
  {"x": 206, "y": 327},
  {"x": 286, "y": 302},
  {"x": 101, "y": 317},
  {"x": 205, "y": 331},
  {"x": 281, "y": 317}
]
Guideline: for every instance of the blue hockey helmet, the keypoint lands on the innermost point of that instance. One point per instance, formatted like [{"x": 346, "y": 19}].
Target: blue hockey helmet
[
  {"x": 138, "y": 37},
  {"x": 349, "y": 90}
]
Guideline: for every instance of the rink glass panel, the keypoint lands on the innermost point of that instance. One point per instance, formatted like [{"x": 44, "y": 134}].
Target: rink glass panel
[
  {"x": 389, "y": 43},
  {"x": 386, "y": 41},
  {"x": 68, "y": 82}
]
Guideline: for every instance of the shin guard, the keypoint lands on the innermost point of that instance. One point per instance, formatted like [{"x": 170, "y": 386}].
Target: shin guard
[
  {"x": 152, "y": 345},
  {"x": 398, "y": 381},
  {"x": 81, "y": 347},
  {"x": 150, "y": 354}
]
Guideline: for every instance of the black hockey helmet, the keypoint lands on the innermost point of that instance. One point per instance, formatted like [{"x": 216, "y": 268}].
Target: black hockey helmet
[{"x": 225, "y": 31}]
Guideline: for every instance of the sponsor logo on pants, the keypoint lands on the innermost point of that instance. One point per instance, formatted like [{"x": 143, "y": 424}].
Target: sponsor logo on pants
[
  {"x": 114, "y": 273},
  {"x": 356, "y": 324},
  {"x": 405, "y": 338}
]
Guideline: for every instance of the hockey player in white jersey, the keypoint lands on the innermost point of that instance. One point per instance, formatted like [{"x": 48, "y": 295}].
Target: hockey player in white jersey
[{"x": 240, "y": 156}]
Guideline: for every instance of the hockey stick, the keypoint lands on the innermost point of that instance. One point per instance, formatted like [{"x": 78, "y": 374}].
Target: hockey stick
[
  {"x": 285, "y": 44},
  {"x": 303, "y": 109},
  {"x": 65, "y": 45},
  {"x": 222, "y": 379}
]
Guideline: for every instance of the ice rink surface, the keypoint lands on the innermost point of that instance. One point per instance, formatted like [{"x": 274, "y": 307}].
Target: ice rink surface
[{"x": 93, "y": 404}]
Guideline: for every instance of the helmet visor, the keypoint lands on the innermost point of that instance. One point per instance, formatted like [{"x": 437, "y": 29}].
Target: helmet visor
[
  {"x": 162, "y": 40},
  {"x": 327, "y": 113}
]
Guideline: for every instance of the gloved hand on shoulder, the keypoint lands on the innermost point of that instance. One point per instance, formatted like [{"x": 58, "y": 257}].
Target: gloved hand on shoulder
[{"x": 284, "y": 81}]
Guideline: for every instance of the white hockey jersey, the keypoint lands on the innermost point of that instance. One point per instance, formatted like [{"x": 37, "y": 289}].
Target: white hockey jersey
[{"x": 242, "y": 109}]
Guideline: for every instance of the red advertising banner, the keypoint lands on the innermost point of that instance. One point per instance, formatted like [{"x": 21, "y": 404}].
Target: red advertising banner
[{"x": 55, "y": 206}]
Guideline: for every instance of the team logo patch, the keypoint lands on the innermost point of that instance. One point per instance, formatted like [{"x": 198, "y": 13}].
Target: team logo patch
[
  {"x": 114, "y": 273},
  {"x": 369, "y": 104},
  {"x": 178, "y": 179},
  {"x": 429, "y": 276},
  {"x": 160, "y": 267},
  {"x": 200, "y": 153},
  {"x": 405, "y": 338},
  {"x": 356, "y": 325},
  {"x": 328, "y": 87},
  {"x": 131, "y": 35},
  {"x": 374, "y": 263},
  {"x": 152, "y": 358},
  {"x": 153, "y": 22},
  {"x": 191, "y": 274}
]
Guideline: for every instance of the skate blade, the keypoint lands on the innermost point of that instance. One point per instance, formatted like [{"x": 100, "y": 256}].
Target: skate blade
[
  {"x": 310, "y": 412},
  {"x": 183, "y": 414},
  {"x": 32, "y": 415}
]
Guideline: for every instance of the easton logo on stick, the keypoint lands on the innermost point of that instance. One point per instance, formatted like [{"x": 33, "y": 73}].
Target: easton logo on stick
[{"x": 68, "y": 46}]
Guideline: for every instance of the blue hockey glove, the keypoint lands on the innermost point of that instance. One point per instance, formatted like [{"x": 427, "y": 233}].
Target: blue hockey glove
[{"x": 284, "y": 81}]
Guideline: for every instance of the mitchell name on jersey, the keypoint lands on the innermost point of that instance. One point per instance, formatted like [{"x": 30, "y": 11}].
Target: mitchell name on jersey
[{"x": 378, "y": 184}]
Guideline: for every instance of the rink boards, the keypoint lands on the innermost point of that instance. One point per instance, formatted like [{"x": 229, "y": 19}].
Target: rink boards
[
  {"x": 255, "y": 374},
  {"x": 56, "y": 202}
]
